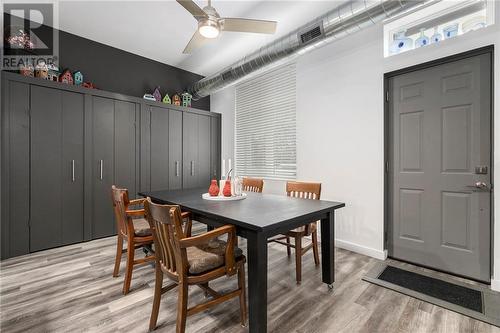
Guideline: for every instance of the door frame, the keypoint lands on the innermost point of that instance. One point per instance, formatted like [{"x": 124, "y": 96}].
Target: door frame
[{"x": 433, "y": 63}]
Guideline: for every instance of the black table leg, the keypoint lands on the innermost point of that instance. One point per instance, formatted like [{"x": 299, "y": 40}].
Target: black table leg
[
  {"x": 257, "y": 282},
  {"x": 327, "y": 249}
]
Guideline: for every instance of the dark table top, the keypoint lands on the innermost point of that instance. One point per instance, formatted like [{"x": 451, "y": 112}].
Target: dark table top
[{"x": 259, "y": 212}]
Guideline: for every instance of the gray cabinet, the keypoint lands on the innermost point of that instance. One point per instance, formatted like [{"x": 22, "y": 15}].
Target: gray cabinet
[
  {"x": 196, "y": 150},
  {"x": 56, "y": 165},
  {"x": 113, "y": 158},
  {"x": 175, "y": 149},
  {"x": 15, "y": 168},
  {"x": 63, "y": 147}
]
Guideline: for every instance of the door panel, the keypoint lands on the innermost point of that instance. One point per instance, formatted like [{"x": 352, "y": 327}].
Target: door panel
[
  {"x": 56, "y": 150},
  {"x": 175, "y": 149},
  {"x": 72, "y": 161},
  {"x": 159, "y": 148},
  {"x": 124, "y": 147},
  {"x": 46, "y": 168},
  {"x": 102, "y": 167},
  {"x": 439, "y": 133},
  {"x": 202, "y": 167},
  {"x": 189, "y": 149}
]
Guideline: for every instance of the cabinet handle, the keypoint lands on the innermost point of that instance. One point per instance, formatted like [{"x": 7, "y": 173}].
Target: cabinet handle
[
  {"x": 73, "y": 171},
  {"x": 192, "y": 168},
  {"x": 176, "y": 168},
  {"x": 101, "y": 167}
]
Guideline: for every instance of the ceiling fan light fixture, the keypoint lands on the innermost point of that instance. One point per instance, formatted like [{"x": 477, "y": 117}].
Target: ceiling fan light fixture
[{"x": 209, "y": 29}]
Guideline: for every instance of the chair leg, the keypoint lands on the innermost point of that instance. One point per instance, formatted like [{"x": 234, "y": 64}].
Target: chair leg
[
  {"x": 298, "y": 259},
  {"x": 315, "y": 247},
  {"x": 182, "y": 307},
  {"x": 118, "y": 259},
  {"x": 130, "y": 267},
  {"x": 243, "y": 302},
  {"x": 288, "y": 251},
  {"x": 157, "y": 297}
]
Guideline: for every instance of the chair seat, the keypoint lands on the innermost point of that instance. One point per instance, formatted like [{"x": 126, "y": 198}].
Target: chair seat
[
  {"x": 141, "y": 227},
  {"x": 302, "y": 229},
  {"x": 208, "y": 256}
]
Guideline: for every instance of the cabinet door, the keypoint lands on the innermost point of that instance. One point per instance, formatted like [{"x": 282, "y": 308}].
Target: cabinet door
[
  {"x": 215, "y": 154},
  {"x": 15, "y": 142},
  {"x": 175, "y": 149},
  {"x": 56, "y": 168},
  {"x": 189, "y": 149},
  {"x": 102, "y": 167},
  {"x": 202, "y": 167},
  {"x": 124, "y": 148},
  {"x": 159, "y": 166}
]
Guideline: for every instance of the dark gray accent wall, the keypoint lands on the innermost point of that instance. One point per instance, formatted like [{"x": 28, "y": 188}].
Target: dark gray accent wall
[{"x": 120, "y": 71}]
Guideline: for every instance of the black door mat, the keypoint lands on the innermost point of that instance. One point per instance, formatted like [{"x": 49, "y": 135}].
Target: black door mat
[{"x": 473, "y": 301}]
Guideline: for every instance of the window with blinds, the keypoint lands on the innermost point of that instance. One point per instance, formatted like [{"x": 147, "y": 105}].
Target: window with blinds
[{"x": 265, "y": 141}]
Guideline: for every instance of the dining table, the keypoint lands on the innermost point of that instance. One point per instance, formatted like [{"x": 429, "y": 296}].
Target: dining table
[{"x": 257, "y": 218}]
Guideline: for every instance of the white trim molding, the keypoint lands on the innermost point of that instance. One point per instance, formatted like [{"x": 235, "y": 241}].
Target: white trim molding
[
  {"x": 495, "y": 284},
  {"x": 367, "y": 251}
]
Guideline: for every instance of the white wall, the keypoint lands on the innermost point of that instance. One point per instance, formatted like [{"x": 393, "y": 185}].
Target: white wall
[{"x": 340, "y": 128}]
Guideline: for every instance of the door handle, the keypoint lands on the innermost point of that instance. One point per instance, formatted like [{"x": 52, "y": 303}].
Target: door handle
[
  {"x": 192, "y": 168},
  {"x": 73, "y": 171},
  {"x": 480, "y": 187},
  {"x": 176, "y": 168},
  {"x": 101, "y": 167}
]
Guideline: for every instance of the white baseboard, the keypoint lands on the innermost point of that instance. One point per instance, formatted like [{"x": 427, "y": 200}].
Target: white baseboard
[
  {"x": 495, "y": 284},
  {"x": 367, "y": 251}
]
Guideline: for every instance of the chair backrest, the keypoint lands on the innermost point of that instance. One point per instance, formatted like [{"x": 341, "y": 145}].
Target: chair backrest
[
  {"x": 303, "y": 190},
  {"x": 166, "y": 224},
  {"x": 120, "y": 204},
  {"x": 253, "y": 185}
]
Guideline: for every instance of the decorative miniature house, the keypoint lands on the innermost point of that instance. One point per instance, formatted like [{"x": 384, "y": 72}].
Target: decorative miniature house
[
  {"x": 53, "y": 72},
  {"x": 149, "y": 97},
  {"x": 78, "y": 78},
  {"x": 27, "y": 69},
  {"x": 176, "y": 100},
  {"x": 166, "y": 99},
  {"x": 89, "y": 85},
  {"x": 186, "y": 99},
  {"x": 66, "y": 77},
  {"x": 157, "y": 94},
  {"x": 41, "y": 70}
]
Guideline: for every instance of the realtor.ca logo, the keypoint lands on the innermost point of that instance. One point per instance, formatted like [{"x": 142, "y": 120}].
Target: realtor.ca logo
[{"x": 30, "y": 36}]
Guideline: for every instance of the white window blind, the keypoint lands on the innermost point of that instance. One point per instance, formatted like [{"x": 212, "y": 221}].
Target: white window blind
[{"x": 265, "y": 131}]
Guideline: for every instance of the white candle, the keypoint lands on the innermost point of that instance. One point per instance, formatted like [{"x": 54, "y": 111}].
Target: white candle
[
  {"x": 223, "y": 169},
  {"x": 229, "y": 166}
]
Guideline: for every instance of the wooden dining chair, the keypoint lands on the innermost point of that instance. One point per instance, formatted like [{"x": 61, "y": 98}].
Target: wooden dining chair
[
  {"x": 191, "y": 261},
  {"x": 253, "y": 185},
  {"x": 304, "y": 191},
  {"x": 132, "y": 227}
]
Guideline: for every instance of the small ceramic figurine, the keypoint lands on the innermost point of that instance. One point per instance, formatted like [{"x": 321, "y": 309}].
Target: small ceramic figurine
[
  {"x": 436, "y": 37},
  {"x": 166, "y": 99},
  {"x": 53, "y": 73},
  {"x": 78, "y": 78},
  {"x": 157, "y": 94},
  {"x": 401, "y": 43},
  {"x": 186, "y": 99},
  {"x": 149, "y": 97},
  {"x": 213, "y": 189},
  {"x": 41, "y": 70},
  {"x": 66, "y": 77},
  {"x": 176, "y": 100},
  {"x": 27, "y": 69},
  {"x": 423, "y": 40}
]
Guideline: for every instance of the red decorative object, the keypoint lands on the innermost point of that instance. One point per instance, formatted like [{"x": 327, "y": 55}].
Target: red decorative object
[
  {"x": 176, "y": 100},
  {"x": 89, "y": 85},
  {"x": 213, "y": 190},
  {"x": 66, "y": 77},
  {"x": 227, "y": 188}
]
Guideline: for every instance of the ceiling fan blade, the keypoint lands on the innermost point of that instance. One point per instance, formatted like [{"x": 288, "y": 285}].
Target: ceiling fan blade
[
  {"x": 196, "y": 41},
  {"x": 248, "y": 25},
  {"x": 193, "y": 8}
]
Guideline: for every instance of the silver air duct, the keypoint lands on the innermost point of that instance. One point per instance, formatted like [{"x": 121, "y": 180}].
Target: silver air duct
[{"x": 336, "y": 24}]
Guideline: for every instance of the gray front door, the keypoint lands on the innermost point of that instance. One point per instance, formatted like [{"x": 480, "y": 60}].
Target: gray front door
[{"x": 440, "y": 168}]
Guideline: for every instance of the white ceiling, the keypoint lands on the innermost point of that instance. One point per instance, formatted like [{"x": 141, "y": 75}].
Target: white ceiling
[{"x": 160, "y": 30}]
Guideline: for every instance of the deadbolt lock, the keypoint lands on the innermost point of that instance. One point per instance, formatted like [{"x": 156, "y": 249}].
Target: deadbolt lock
[{"x": 481, "y": 170}]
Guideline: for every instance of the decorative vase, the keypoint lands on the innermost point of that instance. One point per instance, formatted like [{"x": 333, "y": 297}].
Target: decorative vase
[
  {"x": 423, "y": 40},
  {"x": 437, "y": 37},
  {"x": 401, "y": 43},
  {"x": 450, "y": 31},
  {"x": 213, "y": 190},
  {"x": 227, "y": 188}
]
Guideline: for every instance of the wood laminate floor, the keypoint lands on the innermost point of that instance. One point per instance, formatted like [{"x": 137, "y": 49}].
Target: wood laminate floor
[{"x": 71, "y": 289}]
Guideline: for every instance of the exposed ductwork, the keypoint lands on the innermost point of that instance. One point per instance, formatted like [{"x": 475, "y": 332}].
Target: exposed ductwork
[{"x": 336, "y": 24}]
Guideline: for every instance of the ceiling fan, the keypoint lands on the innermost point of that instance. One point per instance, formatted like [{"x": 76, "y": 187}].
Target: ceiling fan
[{"x": 210, "y": 24}]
